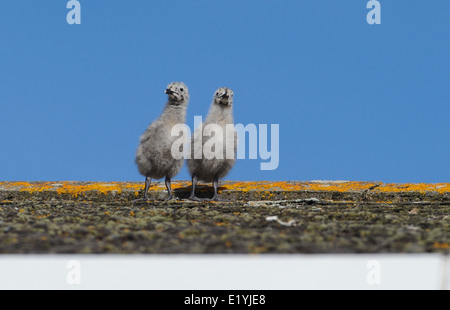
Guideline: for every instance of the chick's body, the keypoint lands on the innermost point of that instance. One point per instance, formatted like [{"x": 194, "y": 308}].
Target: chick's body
[
  {"x": 154, "y": 157},
  {"x": 214, "y": 143}
]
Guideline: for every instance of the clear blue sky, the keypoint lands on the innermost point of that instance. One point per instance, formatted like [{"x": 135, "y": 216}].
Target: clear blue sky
[{"x": 353, "y": 101}]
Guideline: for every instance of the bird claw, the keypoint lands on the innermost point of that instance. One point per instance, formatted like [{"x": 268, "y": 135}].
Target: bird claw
[
  {"x": 170, "y": 198},
  {"x": 195, "y": 198},
  {"x": 215, "y": 198}
]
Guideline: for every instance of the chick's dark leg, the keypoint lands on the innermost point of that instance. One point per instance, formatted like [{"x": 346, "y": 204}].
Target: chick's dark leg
[
  {"x": 169, "y": 188},
  {"x": 194, "y": 183},
  {"x": 216, "y": 189},
  {"x": 148, "y": 180}
]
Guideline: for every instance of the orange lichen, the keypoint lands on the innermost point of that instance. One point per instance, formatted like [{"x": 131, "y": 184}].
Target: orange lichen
[
  {"x": 444, "y": 246},
  {"x": 104, "y": 188},
  {"x": 299, "y": 186},
  {"x": 421, "y": 188},
  {"x": 265, "y": 188},
  {"x": 72, "y": 188},
  {"x": 27, "y": 186},
  {"x": 347, "y": 186}
]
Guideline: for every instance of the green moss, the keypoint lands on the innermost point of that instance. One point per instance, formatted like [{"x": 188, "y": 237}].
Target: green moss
[{"x": 67, "y": 226}]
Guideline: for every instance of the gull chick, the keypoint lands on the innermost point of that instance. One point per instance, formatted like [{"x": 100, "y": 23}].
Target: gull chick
[
  {"x": 212, "y": 168},
  {"x": 153, "y": 157}
]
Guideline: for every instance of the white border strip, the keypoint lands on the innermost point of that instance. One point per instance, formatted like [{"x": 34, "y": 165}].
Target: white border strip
[{"x": 225, "y": 272}]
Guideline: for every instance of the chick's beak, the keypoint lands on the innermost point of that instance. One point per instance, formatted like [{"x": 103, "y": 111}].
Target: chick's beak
[{"x": 169, "y": 91}]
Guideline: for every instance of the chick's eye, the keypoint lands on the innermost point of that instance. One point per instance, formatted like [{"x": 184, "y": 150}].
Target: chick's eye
[{"x": 181, "y": 89}]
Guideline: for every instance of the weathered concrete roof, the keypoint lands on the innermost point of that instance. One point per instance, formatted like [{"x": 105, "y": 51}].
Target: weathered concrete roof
[
  {"x": 263, "y": 217},
  {"x": 335, "y": 190}
]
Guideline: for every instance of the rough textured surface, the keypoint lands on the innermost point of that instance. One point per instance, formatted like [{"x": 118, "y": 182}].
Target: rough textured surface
[{"x": 264, "y": 217}]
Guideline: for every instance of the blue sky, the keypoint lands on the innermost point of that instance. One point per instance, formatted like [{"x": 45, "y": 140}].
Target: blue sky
[{"x": 354, "y": 101}]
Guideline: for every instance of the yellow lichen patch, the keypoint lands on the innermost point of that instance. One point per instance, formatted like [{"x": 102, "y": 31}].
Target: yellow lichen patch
[
  {"x": 340, "y": 186},
  {"x": 253, "y": 249},
  {"x": 135, "y": 187},
  {"x": 267, "y": 189},
  {"x": 420, "y": 187},
  {"x": 72, "y": 188},
  {"x": 442, "y": 245},
  {"x": 27, "y": 186},
  {"x": 181, "y": 184},
  {"x": 42, "y": 216},
  {"x": 299, "y": 186},
  {"x": 77, "y": 189},
  {"x": 261, "y": 186}
]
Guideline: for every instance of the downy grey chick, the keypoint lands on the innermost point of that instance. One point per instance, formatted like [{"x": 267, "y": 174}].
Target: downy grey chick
[
  {"x": 210, "y": 167},
  {"x": 153, "y": 157}
]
